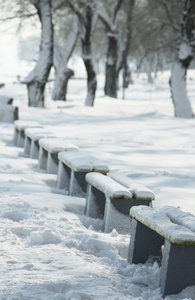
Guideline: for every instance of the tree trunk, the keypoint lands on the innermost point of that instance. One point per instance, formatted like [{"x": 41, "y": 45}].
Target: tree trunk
[
  {"x": 91, "y": 74},
  {"x": 37, "y": 78},
  {"x": 87, "y": 54},
  {"x": 185, "y": 55},
  {"x": 110, "y": 88},
  {"x": 61, "y": 57},
  {"x": 122, "y": 61},
  {"x": 180, "y": 99}
]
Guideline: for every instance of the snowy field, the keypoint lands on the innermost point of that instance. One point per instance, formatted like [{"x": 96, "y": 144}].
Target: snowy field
[{"x": 49, "y": 249}]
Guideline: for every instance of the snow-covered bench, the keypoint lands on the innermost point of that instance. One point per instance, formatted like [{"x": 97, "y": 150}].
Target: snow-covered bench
[
  {"x": 112, "y": 199},
  {"x": 176, "y": 231},
  {"x": 72, "y": 170},
  {"x": 6, "y": 100},
  {"x": 48, "y": 153},
  {"x": 31, "y": 142},
  {"x": 8, "y": 113},
  {"x": 19, "y": 128}
]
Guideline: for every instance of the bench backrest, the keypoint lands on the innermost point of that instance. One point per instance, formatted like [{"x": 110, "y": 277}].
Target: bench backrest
[
  {"x": 139, "y": 191},
  {"x": 162, "y": 224},
  {"x": 108, "y": 186}
]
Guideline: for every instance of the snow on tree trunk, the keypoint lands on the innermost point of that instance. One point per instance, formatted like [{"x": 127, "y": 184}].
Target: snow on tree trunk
[
  {"x": 61, "y": 57},
  {"x": 178, "y": 84},
  {"x": 110, "y": 88},
  {"x": 37, "y": 78}
]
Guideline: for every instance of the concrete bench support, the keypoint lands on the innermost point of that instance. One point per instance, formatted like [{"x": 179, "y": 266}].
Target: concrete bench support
[
  {"x": 19, "y": 128},
  {"x": 108, "y": 200},
  {"x": 48, "y": 153},
  {"x": 150, "y": 230},
  {"x": 8, "y": 113},
  {"x": 72, "y": 170},
  {"x": 32, "y": 137},
  {"x": 6, "y": 100},
  {"x": 112, "y": 199}
]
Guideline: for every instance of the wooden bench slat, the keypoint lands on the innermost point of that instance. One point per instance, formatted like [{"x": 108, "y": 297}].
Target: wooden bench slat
[
  {"x": 161, "y": 223},
  {"x": 108, "y": 186},
  {"x": 139, "y": 191}
]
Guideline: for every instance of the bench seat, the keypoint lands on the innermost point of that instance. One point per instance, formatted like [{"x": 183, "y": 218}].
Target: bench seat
[
  {"x": 32, "y": 137},
  {"x": 19, "y": 128},
  {"x": 176, "y": 231},
  {"x": 72, "y": 170},
  {"x": 48, "y": 153}
]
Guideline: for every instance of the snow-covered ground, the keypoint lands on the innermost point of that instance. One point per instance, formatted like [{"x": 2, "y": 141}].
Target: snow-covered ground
[{"x": 49, "y": 249}]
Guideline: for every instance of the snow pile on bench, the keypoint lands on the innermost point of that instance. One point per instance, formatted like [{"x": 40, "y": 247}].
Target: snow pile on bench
[
  {"x": 109, "y": 187},
  {"x": 82, "y": 162},
  {"x": 55, "y": 145},
  {"x": 139, "y": 191}
]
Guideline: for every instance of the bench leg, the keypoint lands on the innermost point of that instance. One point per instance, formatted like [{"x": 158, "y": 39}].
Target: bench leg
[
  {"x": 34, "y": 149},
  {"x": 113, "y": 218},
  {"x": 178, "y": 268},
  {"x": 27, "y": 145},
  {"x": 20, "y": 142},
  {"x": 78, "y": 185},
  {"x": 63, "y": 180},
  {"x": 95, "y": 203},
  {"x": 143, "y": 243},
  {"x": 42, "y": 163},
  {"x": 15, "y": 137},
  {"x": 52, "y": 163}
]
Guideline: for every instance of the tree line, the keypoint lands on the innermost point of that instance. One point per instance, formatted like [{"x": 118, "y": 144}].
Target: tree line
[{"x": 150, "y": 35}]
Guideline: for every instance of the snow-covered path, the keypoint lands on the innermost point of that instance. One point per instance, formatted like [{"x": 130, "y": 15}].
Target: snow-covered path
[{"x": 49, "y": 249}]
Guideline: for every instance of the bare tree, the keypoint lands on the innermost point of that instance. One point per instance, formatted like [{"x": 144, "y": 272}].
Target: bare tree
[
  {"x": 185, "y": 55},
  {"x": 37, "y": 78}
]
